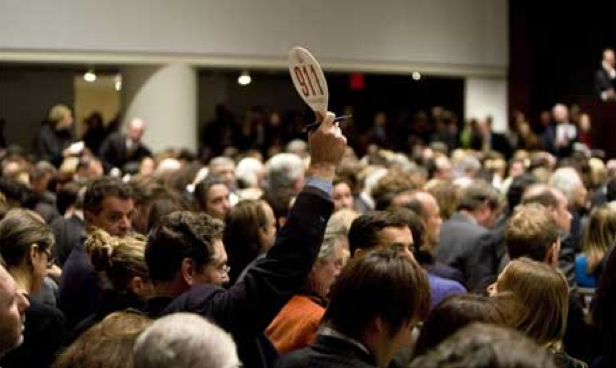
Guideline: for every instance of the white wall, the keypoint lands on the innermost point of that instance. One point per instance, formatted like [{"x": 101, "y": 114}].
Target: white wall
[
  {"x": 486, "y": 96},
  {"x": 166, "y": 98},
  {"x": 462, "y": 37}
]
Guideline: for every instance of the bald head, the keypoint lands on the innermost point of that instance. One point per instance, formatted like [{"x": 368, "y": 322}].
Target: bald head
[
  {"x": 560, "y": 113},
  {"x": 135, "y": 130},
  {"x": 426, "y": 206}
]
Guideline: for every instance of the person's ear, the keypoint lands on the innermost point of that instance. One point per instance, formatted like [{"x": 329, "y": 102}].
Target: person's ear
[
  {"x": 359, "y": 253},
  {"x": 35, "y": 252},
  {"x": 552, "y": 255},
  {"x": 187, "y": 270},
  {"x": 136, "y": 285}
]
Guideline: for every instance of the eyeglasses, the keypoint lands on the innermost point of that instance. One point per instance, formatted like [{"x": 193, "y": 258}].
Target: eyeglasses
[
  {"x": 51, "y": 260},
  {"x": 223, "y": 268}
]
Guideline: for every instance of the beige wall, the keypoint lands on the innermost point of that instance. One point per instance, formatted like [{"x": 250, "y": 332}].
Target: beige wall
[{"x": 97, "y": 96}]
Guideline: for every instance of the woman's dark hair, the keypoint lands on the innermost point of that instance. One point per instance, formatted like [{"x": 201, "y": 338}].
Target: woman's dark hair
[
  {"x": 241, "y": 235},
  {"x": 19, "y": 229},
  {"x": 454, "y": 313},
  {"x": 161, "y": 207},
  {"x": 381, "y": 284}
]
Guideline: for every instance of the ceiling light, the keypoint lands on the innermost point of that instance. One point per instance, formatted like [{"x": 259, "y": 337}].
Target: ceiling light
[
  {"x": 416, "y": 76},
  {"x": 89, "y": 76},
  {"x": 244, "y": 79},
  {"x": 118, "y": 82}
]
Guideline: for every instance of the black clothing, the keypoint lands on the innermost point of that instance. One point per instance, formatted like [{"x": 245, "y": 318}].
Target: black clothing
[
  {"x": 68, "y": 232},
  {"x": 486, "y": 257},
  {"x": 328, "y": 351},
  {"x": 94, "y": 138},
  {"x": 498, "y": 142},
  {"x": 80, "y": 287},
  {"x": 51, "y": 142},
  {"x": 563, "y": 360},
  {"x": 457, "y": 244},
  {"x": 249, "y": 306},
  {"x": 115, "y": 153},
  {"x": 603, "y": 81},
  {"x": 111, "y": 301},
  {"x": 44, "y": 333}
]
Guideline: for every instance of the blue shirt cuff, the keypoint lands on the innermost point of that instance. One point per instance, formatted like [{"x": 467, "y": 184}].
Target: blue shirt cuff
[{"x": 318, "y": 183}]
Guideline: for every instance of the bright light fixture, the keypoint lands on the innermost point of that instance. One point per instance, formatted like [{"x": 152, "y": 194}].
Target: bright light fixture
[
  {"x": 89, "y": 76},
  {"x": 244, "y": 79},
  {"x": 118, "y": 82},
  {"x": 416, "y": 76}
]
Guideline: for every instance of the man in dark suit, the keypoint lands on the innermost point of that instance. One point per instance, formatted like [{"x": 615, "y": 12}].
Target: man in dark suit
[
  {"x": 393, "y": 293},
  {"x": 485, "y": 139},
  {"x": 107, "y": 205},
  {"x": 477, "y": 211},
  {"x": 124, "y": 150},
  {"x": 605, "y": 80},
  {"x": 489, "y": 249},
  {"x": 187, "y": 260}
]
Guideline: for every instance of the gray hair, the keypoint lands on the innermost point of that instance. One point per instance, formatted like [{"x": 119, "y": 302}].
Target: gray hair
[
  {"x": 247, "y": 171},
  {"x": 221, "y": 161},
  {"x": 283, "y": 170},
  {"x": 567, "y": 180},
  {"x": 335, "y": 236},
  {"x": 185, "y": 340}
]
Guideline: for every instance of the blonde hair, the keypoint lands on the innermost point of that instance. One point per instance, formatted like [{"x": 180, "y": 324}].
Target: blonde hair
[
  {"x": 108, "y": 343},
  {"x": 120, "y": 259},
  {"x": 600, "y": 235},
  {"x": 57, "y": 113},
  {"x": 542, "y": 297}
]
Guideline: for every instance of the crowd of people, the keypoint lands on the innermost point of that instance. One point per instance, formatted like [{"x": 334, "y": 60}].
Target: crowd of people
[{"x": 440, "y": 246}]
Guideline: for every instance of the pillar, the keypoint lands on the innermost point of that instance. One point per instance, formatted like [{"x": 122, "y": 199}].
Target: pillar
[{"x": 166, "y": 98}]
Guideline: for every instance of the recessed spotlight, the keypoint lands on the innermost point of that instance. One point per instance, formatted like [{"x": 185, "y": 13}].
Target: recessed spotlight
[
  {"x": 244, "y": 79},
  {"x": 416, "y": 76},
  {"x": 89, "y": 76}
]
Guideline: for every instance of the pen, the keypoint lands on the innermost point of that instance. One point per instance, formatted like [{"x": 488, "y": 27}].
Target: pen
[{"x": 310, "y": 127}]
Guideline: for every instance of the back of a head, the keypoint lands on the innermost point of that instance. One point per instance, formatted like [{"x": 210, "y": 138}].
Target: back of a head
[
  {"x": 454, "y": 313},
  {"x": 121, "y": 259},
  {"x": 476, "y": 194},
  {"x": 180, "y": 235},
  {"x": 107, "y": 344},
  {"x": 19, "y": 230},
  {"x": 365, "y": 228},
  {"x": 486, "y": 346},
  {"x": 185, "y": 340},
  {"x": 567, "y": 180},
  {"x": 541, "y": 295},
  {"x": 102, "y": 188},
  {"x": 531, "y": 232},
  {"x": 283, "y": 170},
  {"x": 517, "y": 188},
  {"x": 386, "y": 285},
  {"x": 69, "y": 196},
  {"x": 541, "y": 194},
  {"x": 241, "y": 236}
]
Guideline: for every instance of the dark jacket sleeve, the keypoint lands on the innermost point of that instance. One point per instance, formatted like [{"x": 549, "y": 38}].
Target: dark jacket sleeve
[{"x": 249, "y": 306}]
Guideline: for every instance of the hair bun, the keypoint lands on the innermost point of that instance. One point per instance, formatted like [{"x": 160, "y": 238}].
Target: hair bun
[{"x": 100, "y": 246}]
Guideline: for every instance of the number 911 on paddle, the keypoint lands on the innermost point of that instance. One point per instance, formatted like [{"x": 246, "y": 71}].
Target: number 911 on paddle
[{"x": 309, "y": 79}]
